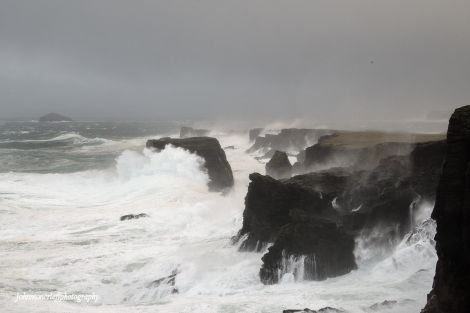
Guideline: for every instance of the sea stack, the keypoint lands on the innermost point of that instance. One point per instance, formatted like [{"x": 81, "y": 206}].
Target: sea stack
[
  {"x": 218, "y": 168},
  {"x": 279, "y": 166},
  {"x": 451, "y": 288}
]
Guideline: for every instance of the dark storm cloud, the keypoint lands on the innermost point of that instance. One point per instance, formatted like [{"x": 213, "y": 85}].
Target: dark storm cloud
[{"x": 194, "y": 59}]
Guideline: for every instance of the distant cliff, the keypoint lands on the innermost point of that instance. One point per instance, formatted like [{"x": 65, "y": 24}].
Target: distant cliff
[{"x": 451, "y": 288}]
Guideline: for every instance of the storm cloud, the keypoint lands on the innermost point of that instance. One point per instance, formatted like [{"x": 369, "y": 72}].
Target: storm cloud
[{"x": 113, "y": 59}]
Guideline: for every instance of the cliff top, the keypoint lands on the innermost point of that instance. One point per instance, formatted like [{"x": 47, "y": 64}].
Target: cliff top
[{"x": 363, "y": 139}]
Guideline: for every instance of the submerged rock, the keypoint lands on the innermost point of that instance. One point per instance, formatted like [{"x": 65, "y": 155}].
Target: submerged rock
[
  {"x": 451, "y": 288},
  {"x": 279, "y": 166},
  {"x": 218, "y": 168},
  {"x": 167, "y": 282},
  {"x": 54, "y": 117},
  {"x": 388, "y": 305},
  {"x": 133, "y": 216},
  {"x": 187, "y": 132}
]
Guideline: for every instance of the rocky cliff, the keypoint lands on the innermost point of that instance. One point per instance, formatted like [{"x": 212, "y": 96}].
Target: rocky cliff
[
  {"x": 279, "y": 166},
  {"x": 451, "y": 288},
  {"x": 361, "y": 150},
  {"x": 316, "y": 216},
  {"x": 289, "y": 139},
  {"x": 218, "y": 168}
]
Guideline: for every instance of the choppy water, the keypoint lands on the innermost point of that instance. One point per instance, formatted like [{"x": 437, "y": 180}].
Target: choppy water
[{"x": 63, "y": 187}]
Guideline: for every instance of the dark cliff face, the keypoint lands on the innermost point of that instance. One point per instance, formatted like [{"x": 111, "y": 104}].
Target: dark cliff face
[
  {"x": 451, "y": 288},
  {"x": 326, "y": 249},
  {"x": 219, "y": 170},
  {"x": 279, "y": 166},
  {"x": 321, "y": 155},
  {"x": 318, "y": 215}
]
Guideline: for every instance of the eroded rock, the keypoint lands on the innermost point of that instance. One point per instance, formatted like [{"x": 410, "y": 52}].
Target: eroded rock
[{"x": 218, "y": 168}]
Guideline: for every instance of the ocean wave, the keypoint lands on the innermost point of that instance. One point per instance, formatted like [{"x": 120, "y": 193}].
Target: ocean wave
[{"x": 65, "y": 139}]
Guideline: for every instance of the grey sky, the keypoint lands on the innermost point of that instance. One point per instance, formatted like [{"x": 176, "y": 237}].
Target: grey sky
[{"x": 233, "y": 58}]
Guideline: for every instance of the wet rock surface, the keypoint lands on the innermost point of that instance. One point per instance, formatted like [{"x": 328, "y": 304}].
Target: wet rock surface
[
  {"x": 219, "y": 170},
  {"x": 279, "y": 166},
  {"x": 166, "y": 282},
  {"x": 451, "y": 288},
  {"x": 133, "y": 216}
]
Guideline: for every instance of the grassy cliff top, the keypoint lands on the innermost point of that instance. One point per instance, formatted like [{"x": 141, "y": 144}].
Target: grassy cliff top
[{"x": 362, "y": 139}]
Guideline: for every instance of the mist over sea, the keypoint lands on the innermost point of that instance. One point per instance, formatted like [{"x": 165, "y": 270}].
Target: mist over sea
[{"x": 64, "y": 186}]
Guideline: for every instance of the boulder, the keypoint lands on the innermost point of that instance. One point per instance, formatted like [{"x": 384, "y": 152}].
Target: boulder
[
  {"x": 218, "y": 168},
  {"x": 279, "y": 166},
  {"x": 451, "y": 288},
  {"x": 187, "y": 132},
  {"x": 54, "y": 117}
]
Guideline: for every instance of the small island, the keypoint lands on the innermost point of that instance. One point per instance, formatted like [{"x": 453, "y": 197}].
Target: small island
[{"x": 54, "y": 117}]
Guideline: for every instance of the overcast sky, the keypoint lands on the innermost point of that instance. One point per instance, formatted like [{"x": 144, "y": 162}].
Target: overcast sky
[{"x": 233, "y": 58}]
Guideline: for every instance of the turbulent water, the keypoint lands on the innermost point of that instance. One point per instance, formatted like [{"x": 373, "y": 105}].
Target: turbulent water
[{"x": 64, "y": 186}]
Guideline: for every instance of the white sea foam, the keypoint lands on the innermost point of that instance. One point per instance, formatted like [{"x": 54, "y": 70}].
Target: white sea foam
[{"x": 61, "y": 232}]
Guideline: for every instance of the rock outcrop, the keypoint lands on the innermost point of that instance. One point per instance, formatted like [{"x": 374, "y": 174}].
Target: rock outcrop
[
  {"x": 323, "y": 247},
  {"x": 187, "y": 132},
  {"x": 317, "y": 215},
  {"x": 254, "y": 133},
  {"x": 322, "y": 156},
  {"x": 167, "y": 282},
  {"x": 218, "y": 168},
  {"x": 290, "y": 139},
  {"x": 279, "y": 166},
  {"x": 451, "y": 288},
  {"x": 133, "y": 216},
  {"x": 54, "y": 117}
]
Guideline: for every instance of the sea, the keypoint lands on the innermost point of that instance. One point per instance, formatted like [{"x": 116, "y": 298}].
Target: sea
[{"x": 63, "y": 248}]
